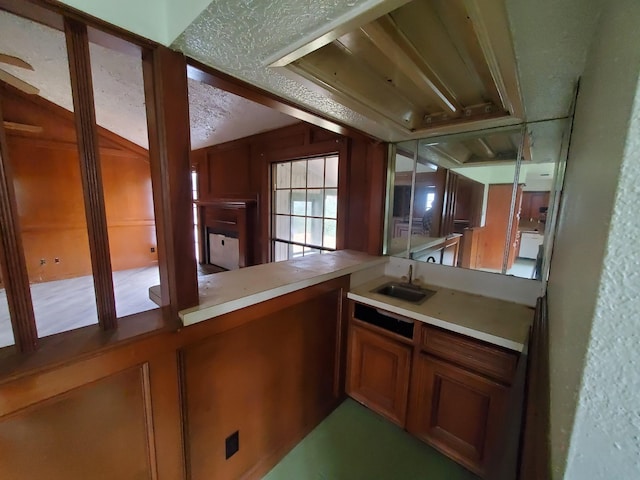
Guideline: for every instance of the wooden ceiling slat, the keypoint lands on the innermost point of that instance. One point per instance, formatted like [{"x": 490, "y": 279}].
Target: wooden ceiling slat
[
  {"x": 17, "y": 83},
  {"x": 335, "y": 65},
  {"x": 385, "y": 35},
  {"x": 462, "y": 34},
  {"x": 490, "y": 24},
  {"x": 422, "y": 26},
  {"x": 359, "y": 44}
]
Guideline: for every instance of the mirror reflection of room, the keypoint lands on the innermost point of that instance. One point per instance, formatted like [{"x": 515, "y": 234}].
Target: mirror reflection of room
[{"x": 476, "y": 200}]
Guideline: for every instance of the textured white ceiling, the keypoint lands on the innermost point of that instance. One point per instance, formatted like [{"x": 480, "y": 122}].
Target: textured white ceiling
[
  {"x": 216, "y": 116},
  {"x": 550, "y": 37},
  {"x": 237, "y": 37}
]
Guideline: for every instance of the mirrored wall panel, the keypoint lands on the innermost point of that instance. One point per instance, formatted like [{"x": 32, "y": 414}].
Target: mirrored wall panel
[{"x": 481, "y": 200}]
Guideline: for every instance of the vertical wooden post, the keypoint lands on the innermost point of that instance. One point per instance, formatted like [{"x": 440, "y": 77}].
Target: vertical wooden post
[
  {"x": 85, "y": 119},
  {"x": 167, "y": 100},
  {"x": 12, "y": 262}
]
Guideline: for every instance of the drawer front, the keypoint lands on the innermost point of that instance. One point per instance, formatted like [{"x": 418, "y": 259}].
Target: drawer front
[{"x": 475, "y": 355}]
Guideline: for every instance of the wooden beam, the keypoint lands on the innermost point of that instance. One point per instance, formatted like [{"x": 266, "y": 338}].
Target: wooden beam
[
  {"x": 385, "y": 35},
  {"x": 441, "y": 152},
  {"x": 336, "y": 68},
  {"x": 485, "y": 147},
  {"x": 167, "y": 102},
  {"x": 22, "y": 127},
  {"x": 15, "y": 61},
  {"x": 12, "y": 261},
  {"x": 491, "y": 26},
  {"x": 462, "y": 34},
  {"x": 90, "y": 171},
  {"x": 18, "y": 83}
]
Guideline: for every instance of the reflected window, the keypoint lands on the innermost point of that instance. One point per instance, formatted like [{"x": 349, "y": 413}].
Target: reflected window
[{"x": 305, "y": 207}]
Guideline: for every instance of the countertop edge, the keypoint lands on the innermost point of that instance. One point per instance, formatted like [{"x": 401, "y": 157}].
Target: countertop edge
[
  {"x": 493, "y": 339},
  {"x": 202, "y": 313}
]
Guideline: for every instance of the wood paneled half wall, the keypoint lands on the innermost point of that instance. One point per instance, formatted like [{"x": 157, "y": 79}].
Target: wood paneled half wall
[
  {"x": 160, "y": 405},
  {"x": 49, "y": 192}
]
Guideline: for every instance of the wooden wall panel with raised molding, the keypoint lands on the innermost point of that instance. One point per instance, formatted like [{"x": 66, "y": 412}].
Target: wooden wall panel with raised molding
[
  {"x": 93, "y": 404},
  {"x": 240, "y": 169},
  {"x": 49, "y": 197},
  {"x": 272, "y": 380}
]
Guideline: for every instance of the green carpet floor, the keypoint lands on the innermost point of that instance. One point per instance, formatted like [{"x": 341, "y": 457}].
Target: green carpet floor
[{"x": 354, "y": 443}]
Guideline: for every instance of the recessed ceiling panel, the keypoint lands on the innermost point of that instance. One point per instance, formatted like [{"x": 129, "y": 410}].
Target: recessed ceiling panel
[{"x": 426, "y": 64}]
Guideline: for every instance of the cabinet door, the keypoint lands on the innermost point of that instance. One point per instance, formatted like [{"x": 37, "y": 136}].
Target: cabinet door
[
  {"x": 378, "y": 373},
  {"x": 456, "y": 411}
]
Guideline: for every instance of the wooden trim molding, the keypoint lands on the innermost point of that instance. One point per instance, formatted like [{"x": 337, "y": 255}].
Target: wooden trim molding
[
  {"x": 536, "y": 455},
  {"x": 166, "y": 94},
  {"x": 12, "y": 259},
  {"x": 88, "y": 151}
]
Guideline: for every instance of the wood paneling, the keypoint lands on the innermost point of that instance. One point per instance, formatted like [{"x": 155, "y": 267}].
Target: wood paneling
[
  {"x": 50, "y": 201},
  {"x": 12, "y": 262},
  {"x": 469, "y": 202},
  {"x": 366, "y": 196},
  {"x": 536, "y": 455},
  {"x": 494, "y": 233},
  {"x": 274, "y": 370},
  {"x": 270, "y": 379},
  {"x": 531, "y": 204},
  {"x": 378, "y": 373},
  {"x": 230, "y": 171},
  {"x": 240, "y": 169},
  {"x": 97, "y": 431}
]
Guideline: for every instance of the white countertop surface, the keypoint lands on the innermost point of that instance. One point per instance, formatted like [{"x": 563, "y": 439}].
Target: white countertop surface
[
  {"x": 226, "y": 292},
  {"x": 495, "y": 321}
]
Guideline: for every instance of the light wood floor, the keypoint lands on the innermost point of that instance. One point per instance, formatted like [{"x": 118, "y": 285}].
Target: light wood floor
[{"x": 63, "y": 305}]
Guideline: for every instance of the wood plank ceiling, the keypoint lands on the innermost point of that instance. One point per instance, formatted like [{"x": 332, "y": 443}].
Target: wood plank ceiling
[{"x": 425, "y": 65}]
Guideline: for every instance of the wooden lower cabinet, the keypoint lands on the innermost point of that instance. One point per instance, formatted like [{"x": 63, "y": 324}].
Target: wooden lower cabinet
[
  {"x": 378, "y": 373},
  {"x": 455, "y": 410},
  {"x": 449, "y": 390}
]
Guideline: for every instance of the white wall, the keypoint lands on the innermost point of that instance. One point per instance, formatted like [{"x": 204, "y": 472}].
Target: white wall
[
  {"x": 158, "y": 20},
  {"x": 594, "y": 283}
]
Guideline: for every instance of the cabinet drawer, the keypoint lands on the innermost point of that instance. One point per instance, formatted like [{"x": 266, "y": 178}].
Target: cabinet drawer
[{"x": 473, "y": 354}]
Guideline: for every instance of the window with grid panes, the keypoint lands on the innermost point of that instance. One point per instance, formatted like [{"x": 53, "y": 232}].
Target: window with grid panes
[{"x": 305, "y": 207}]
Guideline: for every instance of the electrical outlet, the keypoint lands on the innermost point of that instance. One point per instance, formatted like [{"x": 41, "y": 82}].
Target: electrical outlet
[{"x": 232, "y": 444}]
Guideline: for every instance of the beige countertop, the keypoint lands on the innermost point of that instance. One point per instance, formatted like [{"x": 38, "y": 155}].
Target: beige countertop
[
  {"x": 229, "y": 291},
  {"x": 495, "y": 321}
]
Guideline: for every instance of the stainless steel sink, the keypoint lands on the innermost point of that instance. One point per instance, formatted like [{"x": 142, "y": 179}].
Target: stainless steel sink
[{"x": 404, "y": 291}]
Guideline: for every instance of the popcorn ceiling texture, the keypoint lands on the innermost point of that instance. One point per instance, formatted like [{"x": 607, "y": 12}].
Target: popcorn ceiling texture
[
  {"x": 551, "y": 40},
  {"x": 217, "y": 116},
  {"x": 594, "y": 279},
  {"x": 237, "y": 36},
  {"x": 117, "y": 77}
]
